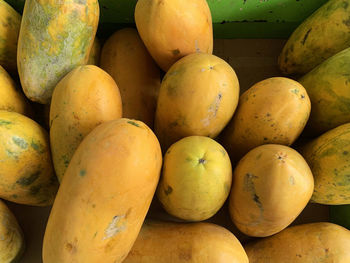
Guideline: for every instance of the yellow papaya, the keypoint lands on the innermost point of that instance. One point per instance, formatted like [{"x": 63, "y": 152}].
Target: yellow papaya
[
  {"x": 164, "y": 242},
  {"x": 104, "y": 195},
  {"x": 11, "y": 99},
  {"x": 272, "y": 111},
  {"x": 55, "y": 37},
  {"x": 328, "y": 86},
  {"x": 198, "y": 96},
  {"x": 272, "y": 184},
  {"x": 12, "y": 244},
  {"x": 313, "y": 242},
  {"x": 172, "y": 29},
  {"x": 83, "y": 99},
  {"x": 26, "y": 168},
  {"x": 126, "y": 59},
  {"x": 10, "y": 22},
  {"x": 319, "y": 37},
  {"x": 328, "y": 157}
]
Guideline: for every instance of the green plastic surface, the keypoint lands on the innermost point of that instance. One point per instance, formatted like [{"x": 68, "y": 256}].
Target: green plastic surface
[{"x": 231, "y": 18}]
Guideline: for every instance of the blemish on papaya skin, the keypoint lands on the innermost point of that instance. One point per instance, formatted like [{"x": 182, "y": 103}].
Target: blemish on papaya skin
[
  {"x": 134, "y": 123},
  {"x": 82, "y": 172},
  {"x": 202, "y": 161},
  {"x": 185, "y": 255},
  {"x": 291, "y": 180},
  {"x": 168, "y": 191},
  {"x": 306, "y": 36},
  {"x": 345, "y": 152},
  {"x": 175, "y": 52},
  {"x": 117, "y": 225},
  {"x": 20, "y": 142},
  {"x": 95, "y": 234},
  {"x": 37, "y": 146},
  {"x": 11, "y": 154},
  {"x": 25, "y": 181},
  {"x": 4, "y": 122},
  {"x": 250, "y": 187},
  {"x": 34, "y": 190},
  {"x": 70, "y": 248}
]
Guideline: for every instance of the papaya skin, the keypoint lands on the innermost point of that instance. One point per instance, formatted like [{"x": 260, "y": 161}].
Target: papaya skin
[
  {"x": 126, "y": 59},
  {"x": 328, "y": 158},
  {"x": 83, "y": 99},
  {"x": 328, "y": 86},
  {"x": 319, "y": 37},
  {"x": 95, "y": 53},
  {"x": 12, "y": 243},
  {"x": 55, "y": 37},
  {"x": 104, "y": 195},
  {"x": 196, "y": 178},
  {"x": 272, "y": 111},
  {"x": 198, "y": 96},
  {"x": 10, "y": 22},
  {"x": 271, "y": 186},
  {"x": 315, "y": 242},
  {"x": 27, "y": 175},
  {"x": 172, "y": 29},
  {"x": 11, "y": 99},
  {"x": 164, "y": 242}
]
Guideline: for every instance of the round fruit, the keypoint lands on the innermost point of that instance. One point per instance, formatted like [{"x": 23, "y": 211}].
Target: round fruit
[
  {"x": 196, "y": 178},
  {"x": 272, "y": 184},
  {"x": 198, "y": 96}
]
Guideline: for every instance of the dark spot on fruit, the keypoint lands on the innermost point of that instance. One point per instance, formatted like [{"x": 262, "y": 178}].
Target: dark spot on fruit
[
  {"x": 306, "y": 36},
  {"x": 268, "y": 114},
  {"x": 28, "y": 180},
  {"x": 95, "y": 234},
  {"x": 326, "y": 250},
  {"x": 347, "y": 22},
  {"x": 202, "y": 161},
  {"x": 93, "y": 205},
  {"x": 133, "y": 123},
  {"x": 265, "y": 139},
  {"x": 20, "y": 142},
  {"x": 168, "y": 191},
  {"x": 128, "y": 212},
  {"x": 298, "y": 255},
  {"x": 345, "y": 152},
  {"x": 257, "y": 201},
  {"x": 345, "y": 4},
  {"x": 37, "y": 147},
  {"x": 71, "y": 248},
  {"x": 34, "y": 190},
  {"x": 82, "y": 172},
  {"x": 302, "y": 96},
  {"x": 175, "y": 52},
  {"x": 14, "y": 196}
]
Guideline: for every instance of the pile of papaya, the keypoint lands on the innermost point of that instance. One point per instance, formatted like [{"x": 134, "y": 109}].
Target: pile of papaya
[{"x": 111, "y": 131}]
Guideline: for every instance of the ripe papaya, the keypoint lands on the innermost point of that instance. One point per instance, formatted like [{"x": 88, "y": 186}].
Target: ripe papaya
[
  {"x": 55, "y": 37},
  {"x": 319, "y": 37},
  {"x": 104, "y": 195}
]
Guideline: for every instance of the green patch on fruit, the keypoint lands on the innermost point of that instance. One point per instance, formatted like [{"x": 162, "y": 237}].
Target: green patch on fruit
[
  {"x": 12, "y": 154},
  {"x": 65, "y": 160},
  {"x": 295, "y": 91},
  {"x": 133, "y": 123},
  {"x": 82, "y": 172},
  {"x": 20, "y": 142},
  {"x": 37, "y": 146},
  {"x": 250, "y": 187},
  {"x": 35, "y": 189},
  {"x": 4, "y": 122},
  {"x": 28, "y": 180}
]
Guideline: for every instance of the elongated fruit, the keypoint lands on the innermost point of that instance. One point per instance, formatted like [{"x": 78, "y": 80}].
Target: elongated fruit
[{"x": 104, "y": 195}]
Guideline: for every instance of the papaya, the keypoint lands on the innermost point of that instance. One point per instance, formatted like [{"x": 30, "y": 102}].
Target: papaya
[
  {"x": 313, "y": 242},
  {"x": 196, "y": 178},
  {"x": 95, "y": 53},
  {"x": 198, "y": 96},
  {"x": 271, "y": 186},
  {"x": 11, "y": 98},
  {"x": 54, "y": 38},
  {"x": 172, "y": 29},
  {"x": 12, "y": 244},
  {"x": 320, "y": 36},
  {"x": 328, "y": 157},
  {"x": 83, "y": 99},
  {"x": 273, "y": 111},
  {"x": 10, "y": 22},
  {"x": 328, "y": 86},
  {"x": 126, "y": 59},
  {"x": 27, "y": 175},
  {"x": 340, "y": 214},
  {"x": 104, "y": 195},
  {"x": 164, "y": 242}
]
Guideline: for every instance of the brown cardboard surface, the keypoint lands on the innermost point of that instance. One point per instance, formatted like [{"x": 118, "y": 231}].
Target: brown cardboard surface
[{"x": 253, "y": 60}]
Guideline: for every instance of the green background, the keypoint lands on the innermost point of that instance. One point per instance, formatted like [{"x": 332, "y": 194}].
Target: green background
[{"x": 231, "y": 18}]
